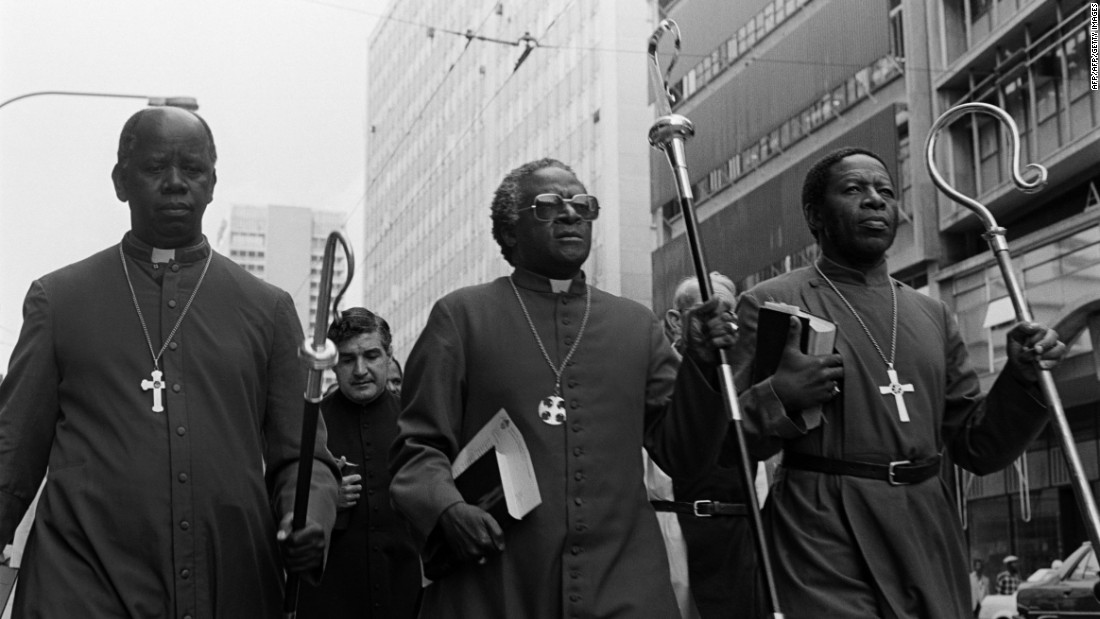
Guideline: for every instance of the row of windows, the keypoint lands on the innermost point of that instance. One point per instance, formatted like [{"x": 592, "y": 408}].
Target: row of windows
[
  {"x": 1044, "y": 86},
  {"x": 238, "y": 253},
  {"x": 1053, "y": 275},
  {"x": 822, "y": 111},
  {"x": 774, "y": 14},
  {"x": 980, "y": 17}
]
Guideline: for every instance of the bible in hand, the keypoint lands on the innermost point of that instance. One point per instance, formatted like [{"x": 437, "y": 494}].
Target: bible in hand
[
  {"x": 773, "y": 323},
  {"x": 494, "y": 472}
]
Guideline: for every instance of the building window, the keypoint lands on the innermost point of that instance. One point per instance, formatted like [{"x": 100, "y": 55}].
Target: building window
[
  {"x": 905, "y": 175},
  {"x": 897, "y": 30}
]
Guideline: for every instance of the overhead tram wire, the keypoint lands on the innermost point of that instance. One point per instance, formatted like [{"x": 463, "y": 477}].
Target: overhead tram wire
[
  {"x": 473, "y": 123},
  {"x": 470, "y": 36}
]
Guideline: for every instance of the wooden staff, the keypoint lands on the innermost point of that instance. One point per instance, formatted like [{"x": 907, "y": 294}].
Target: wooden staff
[
  {"x": 668, "y": 134},
  {"x": 995, "y": 236},
  {"x": 318, "y": 355}
]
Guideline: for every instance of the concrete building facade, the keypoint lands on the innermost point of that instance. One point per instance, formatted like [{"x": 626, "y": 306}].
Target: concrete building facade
[
  {"x": 284, "y": 246},
  {"x": 450, "y": 112},
  {"x": 774, "y": 84}
]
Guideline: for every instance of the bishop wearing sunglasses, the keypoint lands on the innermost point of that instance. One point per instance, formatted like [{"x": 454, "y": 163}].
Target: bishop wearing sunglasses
[{"x": 589, "y": 380}]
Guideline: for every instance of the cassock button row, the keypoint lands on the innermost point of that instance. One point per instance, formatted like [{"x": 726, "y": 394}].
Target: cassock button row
[
  {"x": 577, "y": 451},
  {"x": 185, "y": 573},
  {"x": 576, "y": 426},
  {"x": 171, "y": 302},
  {"x": 173, "y": 345},
  {"x": 181, "y": 430},
  {"x": 576, "y": 550},
  {"x": 183, "y": 478},
  {"x": 578, "y": 476},
  {"x": 185, "y": 525},
  {"x": 176, "y": 388},
  {"x": 578, "y": 501}
]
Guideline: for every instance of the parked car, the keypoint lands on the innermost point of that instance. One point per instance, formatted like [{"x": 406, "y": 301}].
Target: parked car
[
  {"x": 1066, "y": 591},
  {"x": 998, "y": 607}
]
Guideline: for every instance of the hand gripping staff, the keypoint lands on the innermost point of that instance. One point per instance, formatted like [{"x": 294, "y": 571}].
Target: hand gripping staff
[
  {"x": 995, "y": 236},
  {"x": 318, "y": 355},
  {"x": 668, "y": 134}
]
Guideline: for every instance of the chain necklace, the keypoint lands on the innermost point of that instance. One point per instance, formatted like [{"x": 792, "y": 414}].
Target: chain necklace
[
  {"x": 157, "y": 383},
  {"x": 552, "y": 408},
  {"x": 895, "y": 387}
]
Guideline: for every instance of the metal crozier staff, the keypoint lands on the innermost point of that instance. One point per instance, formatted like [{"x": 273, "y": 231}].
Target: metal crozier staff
[
  {"x": 319, "y": 355},
  {"x": 995, "y": 236},
  {"x": 668, "y": 134}
]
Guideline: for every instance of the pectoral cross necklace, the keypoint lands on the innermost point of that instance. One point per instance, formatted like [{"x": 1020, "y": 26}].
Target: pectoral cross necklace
[
  {"x": 551, "y": 409},
  {"x": 157, "y": 383},
  {"x": 895, "y": 387}
]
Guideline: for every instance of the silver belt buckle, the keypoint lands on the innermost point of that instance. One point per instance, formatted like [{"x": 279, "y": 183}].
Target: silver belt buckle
[
  {"x": 695, "y": 505},
  {"x": 890, "y": 473}
]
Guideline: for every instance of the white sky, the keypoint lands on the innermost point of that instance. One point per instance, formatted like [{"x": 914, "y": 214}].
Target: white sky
[{"x": 281, "y": 82}]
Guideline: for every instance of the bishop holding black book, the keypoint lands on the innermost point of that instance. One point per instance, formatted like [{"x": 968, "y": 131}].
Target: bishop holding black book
[{"x": 859, "y": 523}]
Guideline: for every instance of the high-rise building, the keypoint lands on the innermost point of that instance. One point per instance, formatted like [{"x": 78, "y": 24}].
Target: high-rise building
[
  {"x": 461, "y": 92},
  {"x": 774, "y": 84},
  {"x": 284, "y": 246}
]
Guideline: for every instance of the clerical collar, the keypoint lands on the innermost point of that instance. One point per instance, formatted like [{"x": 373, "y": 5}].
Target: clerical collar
[
  {"x": 533, "y": 281},
  {"x": 877, "y": 276},
  {"x": 140, "y": 250}
]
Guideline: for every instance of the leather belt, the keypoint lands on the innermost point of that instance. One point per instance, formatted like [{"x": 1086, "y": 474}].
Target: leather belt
[
  {"x": 701, "y": 509},
  {"x": 897, "y": 473}
]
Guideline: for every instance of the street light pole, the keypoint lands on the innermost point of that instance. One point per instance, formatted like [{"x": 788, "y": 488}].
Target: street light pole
[{"x": 187, "y": 103}]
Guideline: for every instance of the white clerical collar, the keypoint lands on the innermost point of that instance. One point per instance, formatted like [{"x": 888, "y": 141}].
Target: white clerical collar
[
  {"x": 560, "y": 285},
  {"x": 162, "y": 255}
]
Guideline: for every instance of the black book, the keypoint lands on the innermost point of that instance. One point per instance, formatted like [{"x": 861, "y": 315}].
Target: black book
[
  {"x": 773, "y": 323},
  {"x": 494, "y": 472},
  {"x": 480, "y": 485}
]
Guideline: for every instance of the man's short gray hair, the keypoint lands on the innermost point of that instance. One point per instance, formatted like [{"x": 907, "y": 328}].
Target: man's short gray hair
[{"x": 687, "y": 291}]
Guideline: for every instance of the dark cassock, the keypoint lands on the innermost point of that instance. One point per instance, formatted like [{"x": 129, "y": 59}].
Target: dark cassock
[
  {"x": 169, "y": 513},
  {"x": 721, "y": 555},
  {"x": 373, "y": 569},
  {"x": 593, "y": 547},
  {"x": 844, "y": 545}
]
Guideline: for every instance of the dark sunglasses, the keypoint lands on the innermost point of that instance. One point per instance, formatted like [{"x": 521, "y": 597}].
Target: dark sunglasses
[{"x": 550, "y": 206}]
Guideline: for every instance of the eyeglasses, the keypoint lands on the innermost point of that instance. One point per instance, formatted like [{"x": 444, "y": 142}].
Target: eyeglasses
[{"x": 550, "y": 206}]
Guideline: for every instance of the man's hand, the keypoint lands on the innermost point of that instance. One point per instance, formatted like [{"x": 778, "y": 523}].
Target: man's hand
[
  {"x": 303, "y": 550},
  {"x": 350, "y": 490},
  {"x": 471, "y": 532},
  {"x": 1029, "y": 342},
  {"x": 802, "y": 381},
  {"x": 707, "y": 329}
]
